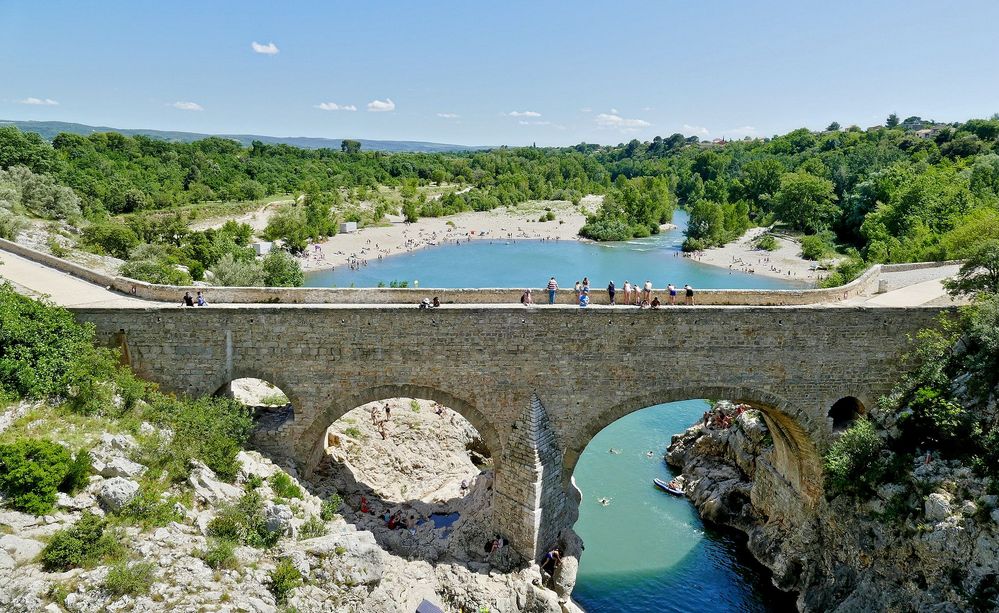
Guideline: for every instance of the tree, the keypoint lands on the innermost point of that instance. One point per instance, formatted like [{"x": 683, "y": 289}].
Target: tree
[
  {"x": 833, "y": 127},
  {"x": 282, "y": 270},
  {"x": 805, "y": 201},
  {"x": 350, "y": 146},
  {"x": 979, "y": 275},
  {"x": 232, "y": 273},
  {"x": 892, "y": 121}
]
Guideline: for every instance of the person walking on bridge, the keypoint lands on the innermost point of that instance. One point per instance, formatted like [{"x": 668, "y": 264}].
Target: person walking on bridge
[{"x": 552, "y": 288}]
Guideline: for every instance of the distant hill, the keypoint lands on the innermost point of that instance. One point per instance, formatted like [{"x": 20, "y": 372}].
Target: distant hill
[{"x": 49, "y": 129}]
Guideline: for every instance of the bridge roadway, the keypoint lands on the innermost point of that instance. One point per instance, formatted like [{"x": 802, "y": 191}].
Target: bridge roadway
[{"x": 537, "y": 383}]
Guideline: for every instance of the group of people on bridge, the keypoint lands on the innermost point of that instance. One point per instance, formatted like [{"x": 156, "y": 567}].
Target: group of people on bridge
[{"x": 634, "y": 295}]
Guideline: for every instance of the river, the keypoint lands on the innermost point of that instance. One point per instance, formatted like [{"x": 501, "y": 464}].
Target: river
[
  {"x": 529, "y": 263},
  {"x": 645, "y": 551}
]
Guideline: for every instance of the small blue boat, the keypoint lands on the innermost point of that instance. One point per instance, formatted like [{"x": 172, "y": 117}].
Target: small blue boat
[{"x": 666, "y": 487}]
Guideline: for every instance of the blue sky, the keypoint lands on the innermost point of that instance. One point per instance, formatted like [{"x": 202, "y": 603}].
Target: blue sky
[{"x": 474, "y": 72}]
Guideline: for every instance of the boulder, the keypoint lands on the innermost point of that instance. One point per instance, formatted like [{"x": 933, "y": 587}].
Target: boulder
[
  {"x": 116, "y": 492},
  {"x": 278, "y": 517},
  {"x": 208, "y": 488},
  {"x": 120, "y": 467},
  {"x": 21, "y": 550},
  {"x": 938, "y": 506}
]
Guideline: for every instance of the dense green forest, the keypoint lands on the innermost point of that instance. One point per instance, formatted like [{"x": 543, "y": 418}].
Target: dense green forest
[{"x": 912, "y": 190}]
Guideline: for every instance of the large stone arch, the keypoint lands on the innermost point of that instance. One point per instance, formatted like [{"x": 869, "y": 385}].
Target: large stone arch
[
  {"x": 311, "y": 440},
  {"x": 797, "y": 456}
]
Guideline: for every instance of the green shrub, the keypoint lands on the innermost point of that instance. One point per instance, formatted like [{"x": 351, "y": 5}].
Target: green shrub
[
  {"x": 220, "y": 555},
  {"x": 852, "y": 464},
  {"x": 11, "y": 224},
  {"x": 284, "y": 486},
  {"x": 331, "y": 506},
  {"x": 155, "y": 271},
  {"x": 284, "y": 579},
  {"x": 230, "y": 272},
  {"x": 85, "y": 543},
  {"x": 312, "y": 528},
  {"x": 243, "y": 523},
  {"x": 209, "y": 429},
  {"x": 767, "y": 242},
  {"x": 150, "y": 509},
  {"x": 282, "y": 270},
  {"x": 253, "y": 482},
  {"x": 816, "y": 246},
  {"x": 31, "y": 471},
  {"x": 77, "y": 473},
  {"x": 111, "y": 238},
  {"x": 933, "y": 421},
  {"x": 126, "y": 579}
]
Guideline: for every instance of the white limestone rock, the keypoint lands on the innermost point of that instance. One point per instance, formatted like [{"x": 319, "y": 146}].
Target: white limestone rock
[
  {"x": 22, "y": 550},
  {"x": 120, "y": 467},
  {"x": 938, "y": 506},
  {"x": 208, "y": 488},
  {"x": 116, "y": 492}
]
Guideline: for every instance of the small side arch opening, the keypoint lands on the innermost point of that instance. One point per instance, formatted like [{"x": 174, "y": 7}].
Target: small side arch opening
[
  {"x": 844, "y": 412},
  {"x": 270, "y": 404}
]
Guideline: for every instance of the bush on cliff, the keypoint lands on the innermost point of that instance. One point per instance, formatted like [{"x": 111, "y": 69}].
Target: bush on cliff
[
  {"x": 853, "y": 464},
  {"x": 45, "y": 353},
  {"x": 86, "y": 543},
  {"x": 33, "y": 470}
]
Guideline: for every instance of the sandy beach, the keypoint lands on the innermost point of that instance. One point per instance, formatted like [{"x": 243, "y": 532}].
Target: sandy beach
[
  {"x": 784, "y": 263},
  {"x": 398, "y": 236}
]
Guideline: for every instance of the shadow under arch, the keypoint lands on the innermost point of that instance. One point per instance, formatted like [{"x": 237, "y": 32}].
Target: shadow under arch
[
  {"x": 314, "y": 436},
  {"x": 796, "y": 455}
]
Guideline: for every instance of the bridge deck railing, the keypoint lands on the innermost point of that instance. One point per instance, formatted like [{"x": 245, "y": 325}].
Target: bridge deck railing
[{"x": 865, "y": 284}]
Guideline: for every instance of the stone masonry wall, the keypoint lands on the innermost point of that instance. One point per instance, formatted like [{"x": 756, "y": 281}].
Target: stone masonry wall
[{"x": 587, "y": 367}]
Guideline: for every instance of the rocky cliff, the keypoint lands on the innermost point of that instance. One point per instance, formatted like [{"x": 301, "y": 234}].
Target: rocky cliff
[
  {"x": 929, "y": 541},
  {"x": 347, "y": 561}
]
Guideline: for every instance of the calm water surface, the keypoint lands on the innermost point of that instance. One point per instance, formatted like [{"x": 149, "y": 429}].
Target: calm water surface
[
  {"x": 647, "y": 550},
  {"x": 529, "y": 263}
]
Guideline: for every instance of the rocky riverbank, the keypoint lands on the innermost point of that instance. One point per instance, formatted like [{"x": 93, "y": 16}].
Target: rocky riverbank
[
  {"x": 342, "y": 558},
  {"x": 928, "y": 542}
]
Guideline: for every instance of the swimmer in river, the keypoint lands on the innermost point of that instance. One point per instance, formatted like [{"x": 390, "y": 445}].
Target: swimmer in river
[
  {"x": 649, "y": 454},
  {"x": 612, "y": 450},
  {"x": 604, "y": 501}
]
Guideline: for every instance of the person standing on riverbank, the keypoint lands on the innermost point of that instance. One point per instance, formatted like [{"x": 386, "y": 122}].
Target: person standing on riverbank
[
  {"x": 672, "y": 294},
  {"x": 552, "y": 288},
  {"x": 647, "y": 296},
  {"x": 688, "y": 297},
  {"x": 610, "y": 293},
  {"x": 627, "y": 292}
]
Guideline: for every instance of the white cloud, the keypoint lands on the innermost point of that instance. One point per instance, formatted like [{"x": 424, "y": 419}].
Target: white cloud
[
  {"x": 586, "y": 109},
  {"x": 187, "y": 106},
  {"x": 449, "y": 115},
  {"x": 605, "y": 120},
  {"x": 647, "y": 108},
  {"x": 268, "y": 49},
  {"x": 333, "y": 106},
  {"x": 534, "y": 123},
  {"x": 381, "y": 106},
  {"x": 524, "y": 114},
  {"x": 39, "y": 101},
  {"x": 695, "y": 129},
  {"x": 614, "y": 112}
]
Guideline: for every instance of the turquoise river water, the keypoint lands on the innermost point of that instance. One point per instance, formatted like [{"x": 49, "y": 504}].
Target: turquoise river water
[
  {"x": 529, "y": 263},
  {"x": 645, "y": 551}
]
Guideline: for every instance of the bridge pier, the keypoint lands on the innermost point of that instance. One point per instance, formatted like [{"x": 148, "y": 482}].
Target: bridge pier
[{"x": 529, "y": 501}]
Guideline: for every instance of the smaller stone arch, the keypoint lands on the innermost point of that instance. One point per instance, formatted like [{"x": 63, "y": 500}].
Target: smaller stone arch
[
  {"x": 311, "y": 443},
  {"x": 845, "y": 411}
]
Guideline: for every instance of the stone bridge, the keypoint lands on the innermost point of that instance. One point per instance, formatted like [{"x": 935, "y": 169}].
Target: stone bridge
[{"x": 537, "y": 383}]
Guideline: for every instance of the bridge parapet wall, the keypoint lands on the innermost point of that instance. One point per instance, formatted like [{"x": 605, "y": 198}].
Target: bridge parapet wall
[{"x": 863, "y": 285}]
